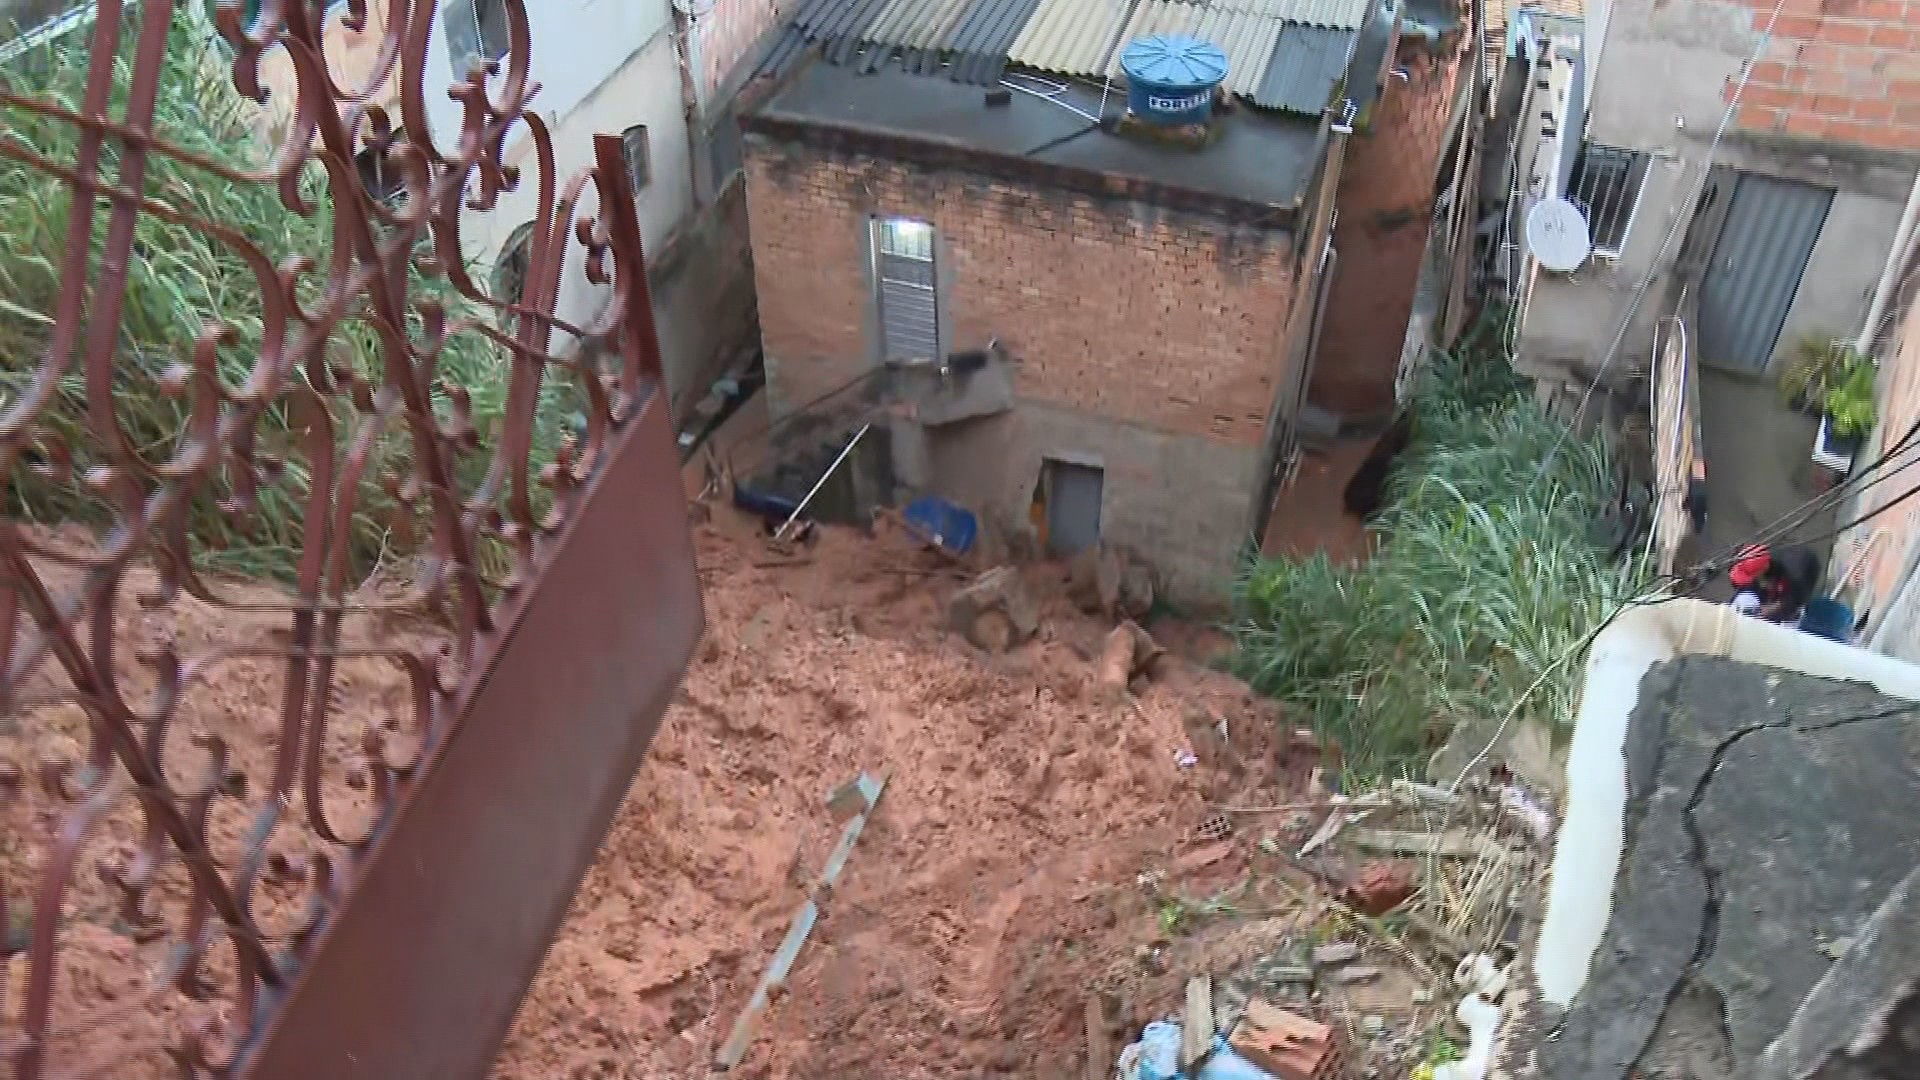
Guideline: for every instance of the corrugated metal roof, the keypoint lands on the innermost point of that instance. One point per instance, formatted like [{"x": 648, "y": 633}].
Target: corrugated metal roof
[
  {"x": 1333, "y": 14},
  {"x": 1246, "y": 38},
  {"x": 1308, "y": 62},
  {"x": 1071, "y": 37},
  {"x": 979, "y": 45},
  {"x": 916, "y": 24}
]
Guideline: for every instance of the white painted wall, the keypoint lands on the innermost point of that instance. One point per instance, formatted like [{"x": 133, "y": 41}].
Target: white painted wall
[{"x": 603, "y": 66}]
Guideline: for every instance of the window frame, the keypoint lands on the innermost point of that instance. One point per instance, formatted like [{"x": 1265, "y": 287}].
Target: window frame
[
  {"x": 878, "y": 228},
  {"x": 519, "y": 246},
  {"x": 639, "y": 179},
  {"x": 478, "y": 17},
  {"x": 1625, "y": 208}
]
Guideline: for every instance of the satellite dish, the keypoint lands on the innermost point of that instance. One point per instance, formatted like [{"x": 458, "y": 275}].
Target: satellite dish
[{"x": 1557, "y": 235}]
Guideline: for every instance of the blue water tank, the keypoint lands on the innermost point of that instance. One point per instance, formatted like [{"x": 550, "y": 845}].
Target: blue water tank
[{"x": 1171, "y": 79}]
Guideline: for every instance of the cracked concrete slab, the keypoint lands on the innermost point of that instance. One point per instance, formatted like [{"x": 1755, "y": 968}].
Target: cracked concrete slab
[{"x": 1769, "y": 814}]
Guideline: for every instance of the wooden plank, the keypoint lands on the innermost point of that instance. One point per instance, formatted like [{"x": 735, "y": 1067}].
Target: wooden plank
[
  {"x": 1196, "y": 1033},
  {"x": 1100, "y": 1059}
]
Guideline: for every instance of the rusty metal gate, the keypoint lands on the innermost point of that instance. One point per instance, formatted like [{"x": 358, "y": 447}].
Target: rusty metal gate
[{"x": 306, "y": 889}]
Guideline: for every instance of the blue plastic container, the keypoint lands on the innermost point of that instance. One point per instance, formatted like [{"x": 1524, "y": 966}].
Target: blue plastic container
[
  {"x": 1171, "y": 78},
  {"x": 1828, "y": 618},
  {"x": 943, "y": 524}
]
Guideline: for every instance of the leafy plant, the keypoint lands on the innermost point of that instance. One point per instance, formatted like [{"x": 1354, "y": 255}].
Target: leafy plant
[
  {"x": 1172, "y": 916},
  {"x": 1486, "y": 573},
  {"x": 182, "y": 278},
  {"x": 1817, "y": 366},
  {"x": 1850, "y": 403}
]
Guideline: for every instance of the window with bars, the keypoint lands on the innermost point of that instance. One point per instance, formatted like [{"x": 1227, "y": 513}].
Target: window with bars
[
  {"x": 639, "y": 154},
  {"x": 1606, "y": 187},
  {"x": 908, "y": 296},
  {"x": 476, "y": 33}
]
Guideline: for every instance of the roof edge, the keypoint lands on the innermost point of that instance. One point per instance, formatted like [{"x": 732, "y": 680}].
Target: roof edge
[{"x": 848, "y": 137}]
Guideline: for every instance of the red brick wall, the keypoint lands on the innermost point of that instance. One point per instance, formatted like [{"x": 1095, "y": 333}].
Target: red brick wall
[
  {"x": 1837, "y": 70},
  {"x": 1168, "y": 319},
  {"x": 1386, "y": 210}
]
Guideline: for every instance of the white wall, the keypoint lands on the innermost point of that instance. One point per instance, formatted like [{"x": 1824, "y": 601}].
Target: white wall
[{"x": 603, "y": 66}]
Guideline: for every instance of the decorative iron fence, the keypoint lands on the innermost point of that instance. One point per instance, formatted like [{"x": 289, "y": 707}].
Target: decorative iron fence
[{"x": 323, "y": 820}]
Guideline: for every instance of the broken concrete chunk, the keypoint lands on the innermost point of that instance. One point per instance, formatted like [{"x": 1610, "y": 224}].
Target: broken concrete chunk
[
  {"x": 994, "y": 612},
  {"x": 1129, "y": 654},
  {"x": 1335, "y": 952},
  {"x": 1106, "y": 580}
]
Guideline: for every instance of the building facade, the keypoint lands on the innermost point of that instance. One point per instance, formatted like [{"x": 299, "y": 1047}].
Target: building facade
[
  {"x": 1782, "y": 216},
  {"x": 602, "y": 67},
  {"x": 1149, "y": 305}
]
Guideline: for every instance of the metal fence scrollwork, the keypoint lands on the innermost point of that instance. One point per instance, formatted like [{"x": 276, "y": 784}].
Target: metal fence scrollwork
[{"x": 293, "y": 506}]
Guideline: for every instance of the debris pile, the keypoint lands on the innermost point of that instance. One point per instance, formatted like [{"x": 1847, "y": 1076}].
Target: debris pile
[{"x": 1096, "y": 856}]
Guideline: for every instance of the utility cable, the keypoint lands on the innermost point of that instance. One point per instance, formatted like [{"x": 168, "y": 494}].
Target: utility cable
[{"x": 1680, "y": 220}]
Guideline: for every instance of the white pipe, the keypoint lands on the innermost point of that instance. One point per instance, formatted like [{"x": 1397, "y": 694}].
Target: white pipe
[
  {"x": 1586, "y": 857},
  {"x": 1889, "y": 282},
  {"x": 820, "y": 483}
]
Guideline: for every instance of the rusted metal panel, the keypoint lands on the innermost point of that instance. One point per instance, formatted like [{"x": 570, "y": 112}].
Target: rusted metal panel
[
  {"x": 548, "y": 576},
  {"x": 421, "y": 972}
]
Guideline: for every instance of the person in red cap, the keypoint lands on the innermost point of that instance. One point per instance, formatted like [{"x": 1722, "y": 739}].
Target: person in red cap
[
  {"x": 1749, "y": 566},
  {"x": 1784, "y": 582}
]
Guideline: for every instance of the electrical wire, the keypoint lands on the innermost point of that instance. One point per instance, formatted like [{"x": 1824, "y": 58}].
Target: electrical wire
[
  {"x": 1680, "y": 220},
  {"x": 1800, "y": 515}
]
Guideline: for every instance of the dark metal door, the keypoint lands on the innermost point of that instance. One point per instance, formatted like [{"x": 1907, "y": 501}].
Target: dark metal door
[
  {"x": 1073, "y": 506},
  {"x": 1769, "y": 233}
]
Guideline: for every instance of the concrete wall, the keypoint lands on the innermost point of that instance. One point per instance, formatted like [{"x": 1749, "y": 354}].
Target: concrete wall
[
  {"x": 1152, "y": 340},
  {"x": 1662, "y": 87},
  {"x": 1183, "y": 502}
]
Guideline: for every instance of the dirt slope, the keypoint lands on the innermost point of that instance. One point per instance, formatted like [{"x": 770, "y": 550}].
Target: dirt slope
[{"x": 992, "y": 889}]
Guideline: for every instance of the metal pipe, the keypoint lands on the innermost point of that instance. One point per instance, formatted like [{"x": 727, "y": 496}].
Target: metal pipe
[
  {"x": 1888, "y": 284},
  {"x": 822, "y": 482}
]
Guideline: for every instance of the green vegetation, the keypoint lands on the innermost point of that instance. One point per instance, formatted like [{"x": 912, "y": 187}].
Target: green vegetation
[
  {"x": 181, "y": 279},
  {"x": 1818, "y": 365},
  {"x": 1850, "y": 402},
  {"x": 1487, "y": 572}
]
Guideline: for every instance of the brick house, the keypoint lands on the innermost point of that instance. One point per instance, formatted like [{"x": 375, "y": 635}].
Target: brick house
[{"x": 918, "y": 188}]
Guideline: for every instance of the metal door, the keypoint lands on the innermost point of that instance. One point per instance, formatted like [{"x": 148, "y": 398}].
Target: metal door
[
  {"x": 1073, "y": 506},
  {"x": 1770, "y": 230}
]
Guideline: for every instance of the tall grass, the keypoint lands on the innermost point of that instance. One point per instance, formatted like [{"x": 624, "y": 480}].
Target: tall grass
[
  {"x": 180, "y": 278},
  {"x": 1486, "y": 572}
]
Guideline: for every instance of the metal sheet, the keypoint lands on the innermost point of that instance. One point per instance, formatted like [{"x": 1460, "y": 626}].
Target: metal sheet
[
  {"x": 1334, "y": 14},
  {"x": 1307, "y": 63},
  {"x": 1769, "y": 233},
  {"x": 916, "y": 24},
  {"x": 1071, "y": 37},
  {"x": 1246, "y": 38},
  {"x": 458, "y": 901},
  {"x": 981, "y": 41}
]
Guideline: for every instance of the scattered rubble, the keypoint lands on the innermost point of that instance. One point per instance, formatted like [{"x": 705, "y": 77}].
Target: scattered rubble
[
  {"x": 1128, "y": 655},
  {"x": 995, "y": 612},
  {"x": 1106, "y": 580}
]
